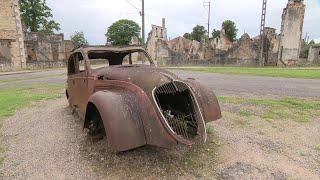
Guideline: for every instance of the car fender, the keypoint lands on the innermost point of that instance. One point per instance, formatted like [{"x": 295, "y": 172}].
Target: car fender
[
  {"x": 124, "y": 128},
  {"x": 207, "y": 100}
]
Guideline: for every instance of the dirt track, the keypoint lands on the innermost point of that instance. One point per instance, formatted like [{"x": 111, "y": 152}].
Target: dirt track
[{"x": 47, "y": 142}]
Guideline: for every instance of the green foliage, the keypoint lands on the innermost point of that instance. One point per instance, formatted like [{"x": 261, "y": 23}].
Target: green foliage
[
  {"x": 198, "y": 33},
  {"x": 304, "y": 53},
  {"x": 122, "y": 32},
  {"x": 37, "y": 16},
  {"x": 78, "y": 39},
  {"x": 230, "y": 30},
  {"x": 215, "y": 33},
  {"x": 209, "y": 129},
  {"x": 187, "y": 36}
]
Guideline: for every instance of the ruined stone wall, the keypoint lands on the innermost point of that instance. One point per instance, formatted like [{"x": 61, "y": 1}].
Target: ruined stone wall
[
  {"x": 243, "y": 52},
  {"x": 221, "y": 42},
  {"x": 314, "y": 55},
  {"x": 291, "y": 31},
  {"x": 156, "y": 42},
  {"x": 46, "y": 50},
  {"x": 11, "y": 36}
]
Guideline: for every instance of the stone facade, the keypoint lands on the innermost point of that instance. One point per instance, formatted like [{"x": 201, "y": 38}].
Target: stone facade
[
  {"x": 157, "y": 45},
  {"x": 243, "y": 52},
  {"x": 47, "y": 49},
  {"x": 12, "y": 52},
  {"x": 221, "y": 42},
  {"x": 314, "y": 54},
  {"x": 291, "y": 31}
]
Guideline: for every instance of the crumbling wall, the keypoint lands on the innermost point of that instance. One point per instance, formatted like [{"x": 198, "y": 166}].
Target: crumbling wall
[
  {"x": 243, "y": 52},
  {"x": 46, "y": 50},
  {"x": 11, "y": 36},
  {"x": 291, "y": 31},
  {"x": 314, "y": 55},
  {"x": 157, "y": 42},
  {"x": 221, "y": 42}
]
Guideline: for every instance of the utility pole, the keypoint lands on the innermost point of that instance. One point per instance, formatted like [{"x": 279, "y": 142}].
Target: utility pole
[
  {"x": 208, "y": 4},
  {"x": 262, "y": 32},
  {"x": 143, "y": 23}
]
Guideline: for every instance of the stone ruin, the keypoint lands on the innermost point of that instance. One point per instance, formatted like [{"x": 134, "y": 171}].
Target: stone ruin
[
  {"x": 22, "y": 50},
  {"x": 12, "y": 52},
  {"x": 280, "y": 49},
  {"x": 291, "y": 32}
]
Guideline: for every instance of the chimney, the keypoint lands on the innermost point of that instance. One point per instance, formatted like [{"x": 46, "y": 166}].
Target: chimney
[{"x": 163, "y": 23}]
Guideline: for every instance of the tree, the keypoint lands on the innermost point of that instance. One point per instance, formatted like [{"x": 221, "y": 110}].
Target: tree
[
  {"x": 78, "y": 39},
  {"x": 122, "y": 31},
  {"x": 37, "y": 16},
  {"x": 215, "y": 33},
  {"x": 198, "y": 33},
  {"x": 230, "y": 30},
  {"x": 187, "y": 36}
]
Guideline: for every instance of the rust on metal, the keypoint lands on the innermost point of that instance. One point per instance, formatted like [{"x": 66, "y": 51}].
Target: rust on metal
[{"x": 134, "y": 103}]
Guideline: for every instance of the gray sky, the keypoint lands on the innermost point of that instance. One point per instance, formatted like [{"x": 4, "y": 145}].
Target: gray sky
[{"x": 94, "y": 16}]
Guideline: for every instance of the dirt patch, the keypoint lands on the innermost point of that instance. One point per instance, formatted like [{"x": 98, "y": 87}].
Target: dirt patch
[{"x": 48, "y": 141}]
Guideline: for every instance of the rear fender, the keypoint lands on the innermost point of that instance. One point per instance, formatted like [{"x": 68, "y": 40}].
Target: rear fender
[{"x": 207, "y": 100}]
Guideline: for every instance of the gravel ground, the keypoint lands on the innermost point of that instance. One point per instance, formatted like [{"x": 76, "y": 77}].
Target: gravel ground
[
  {"x": 43, "y": 142},
  {"x": 47, "y": 142}
]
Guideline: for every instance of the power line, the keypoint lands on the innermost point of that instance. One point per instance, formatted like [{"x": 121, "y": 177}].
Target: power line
[{"x": 133, "y": 5}]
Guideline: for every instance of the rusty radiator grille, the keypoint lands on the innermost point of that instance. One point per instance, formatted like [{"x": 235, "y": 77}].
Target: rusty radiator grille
[{"x": 175, "y": 102}]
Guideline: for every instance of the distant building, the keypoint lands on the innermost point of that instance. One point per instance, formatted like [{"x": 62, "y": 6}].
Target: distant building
[
  {"x": 12, "y": 52},
  {"x": 314, "y": 54}
]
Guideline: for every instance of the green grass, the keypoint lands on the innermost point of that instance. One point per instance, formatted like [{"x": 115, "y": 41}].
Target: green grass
[
  {"x": 12, "y": 99},
  {"x": 300, "y": 110},
  {"x": 318, "y": 147},
  {"x": 308, "y": 73},
  {"x": 16, "y": 98}
]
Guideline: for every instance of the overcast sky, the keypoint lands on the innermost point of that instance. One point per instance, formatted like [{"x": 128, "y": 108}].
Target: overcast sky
[{"x": 94, "y": 16}]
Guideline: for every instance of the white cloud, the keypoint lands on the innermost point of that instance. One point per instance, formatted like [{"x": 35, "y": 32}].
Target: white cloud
[{"x": 94, "y": 16}]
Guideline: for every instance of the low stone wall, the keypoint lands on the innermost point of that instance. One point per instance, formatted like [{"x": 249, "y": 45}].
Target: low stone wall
[
  {"x": 46, "y": 64},
  {"x": 173, "y": 61}
]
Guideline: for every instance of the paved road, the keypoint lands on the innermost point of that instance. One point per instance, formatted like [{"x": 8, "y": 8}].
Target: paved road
[
  {"x": 222, "y": 84},
  {"x": 225, "y": 84}
]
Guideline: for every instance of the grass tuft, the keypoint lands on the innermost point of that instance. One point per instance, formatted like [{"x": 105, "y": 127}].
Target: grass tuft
[
  {"x": 299, "y": 110},
  {"x": 308, "y": 73}
]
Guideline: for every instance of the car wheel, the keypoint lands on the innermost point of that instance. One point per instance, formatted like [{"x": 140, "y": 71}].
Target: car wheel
[{"x": 95, "y": 127}]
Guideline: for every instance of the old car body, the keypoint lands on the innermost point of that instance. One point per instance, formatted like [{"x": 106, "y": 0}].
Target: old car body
[{"x": 136, "y": 104}]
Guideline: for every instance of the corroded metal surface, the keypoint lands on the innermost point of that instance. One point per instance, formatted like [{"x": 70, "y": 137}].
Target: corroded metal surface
[{"x": 138, "y": 104}]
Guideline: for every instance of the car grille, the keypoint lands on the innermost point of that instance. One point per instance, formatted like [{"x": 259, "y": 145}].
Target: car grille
[{"x": 177, "y": 106}]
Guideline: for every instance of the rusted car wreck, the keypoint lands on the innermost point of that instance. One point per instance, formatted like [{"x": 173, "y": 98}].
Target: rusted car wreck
[{"x": 134, "y": 103}]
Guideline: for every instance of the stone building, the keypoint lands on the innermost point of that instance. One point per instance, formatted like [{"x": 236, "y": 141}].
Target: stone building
[
  {"x": 314, "y": 54},
  {"x": 45, "y": 50},
  {"x": 157, "y": 40},
  {"x": 193, "y": 50},
  {"x": 12, "y": 52},
  {"x": 243, "y": 52},
  {"x": 221, "y": 42},
  {"x": 291, "y": 31}
]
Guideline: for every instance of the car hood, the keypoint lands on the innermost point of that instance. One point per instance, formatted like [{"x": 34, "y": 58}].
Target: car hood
[{"x": 146, "y": 77}]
